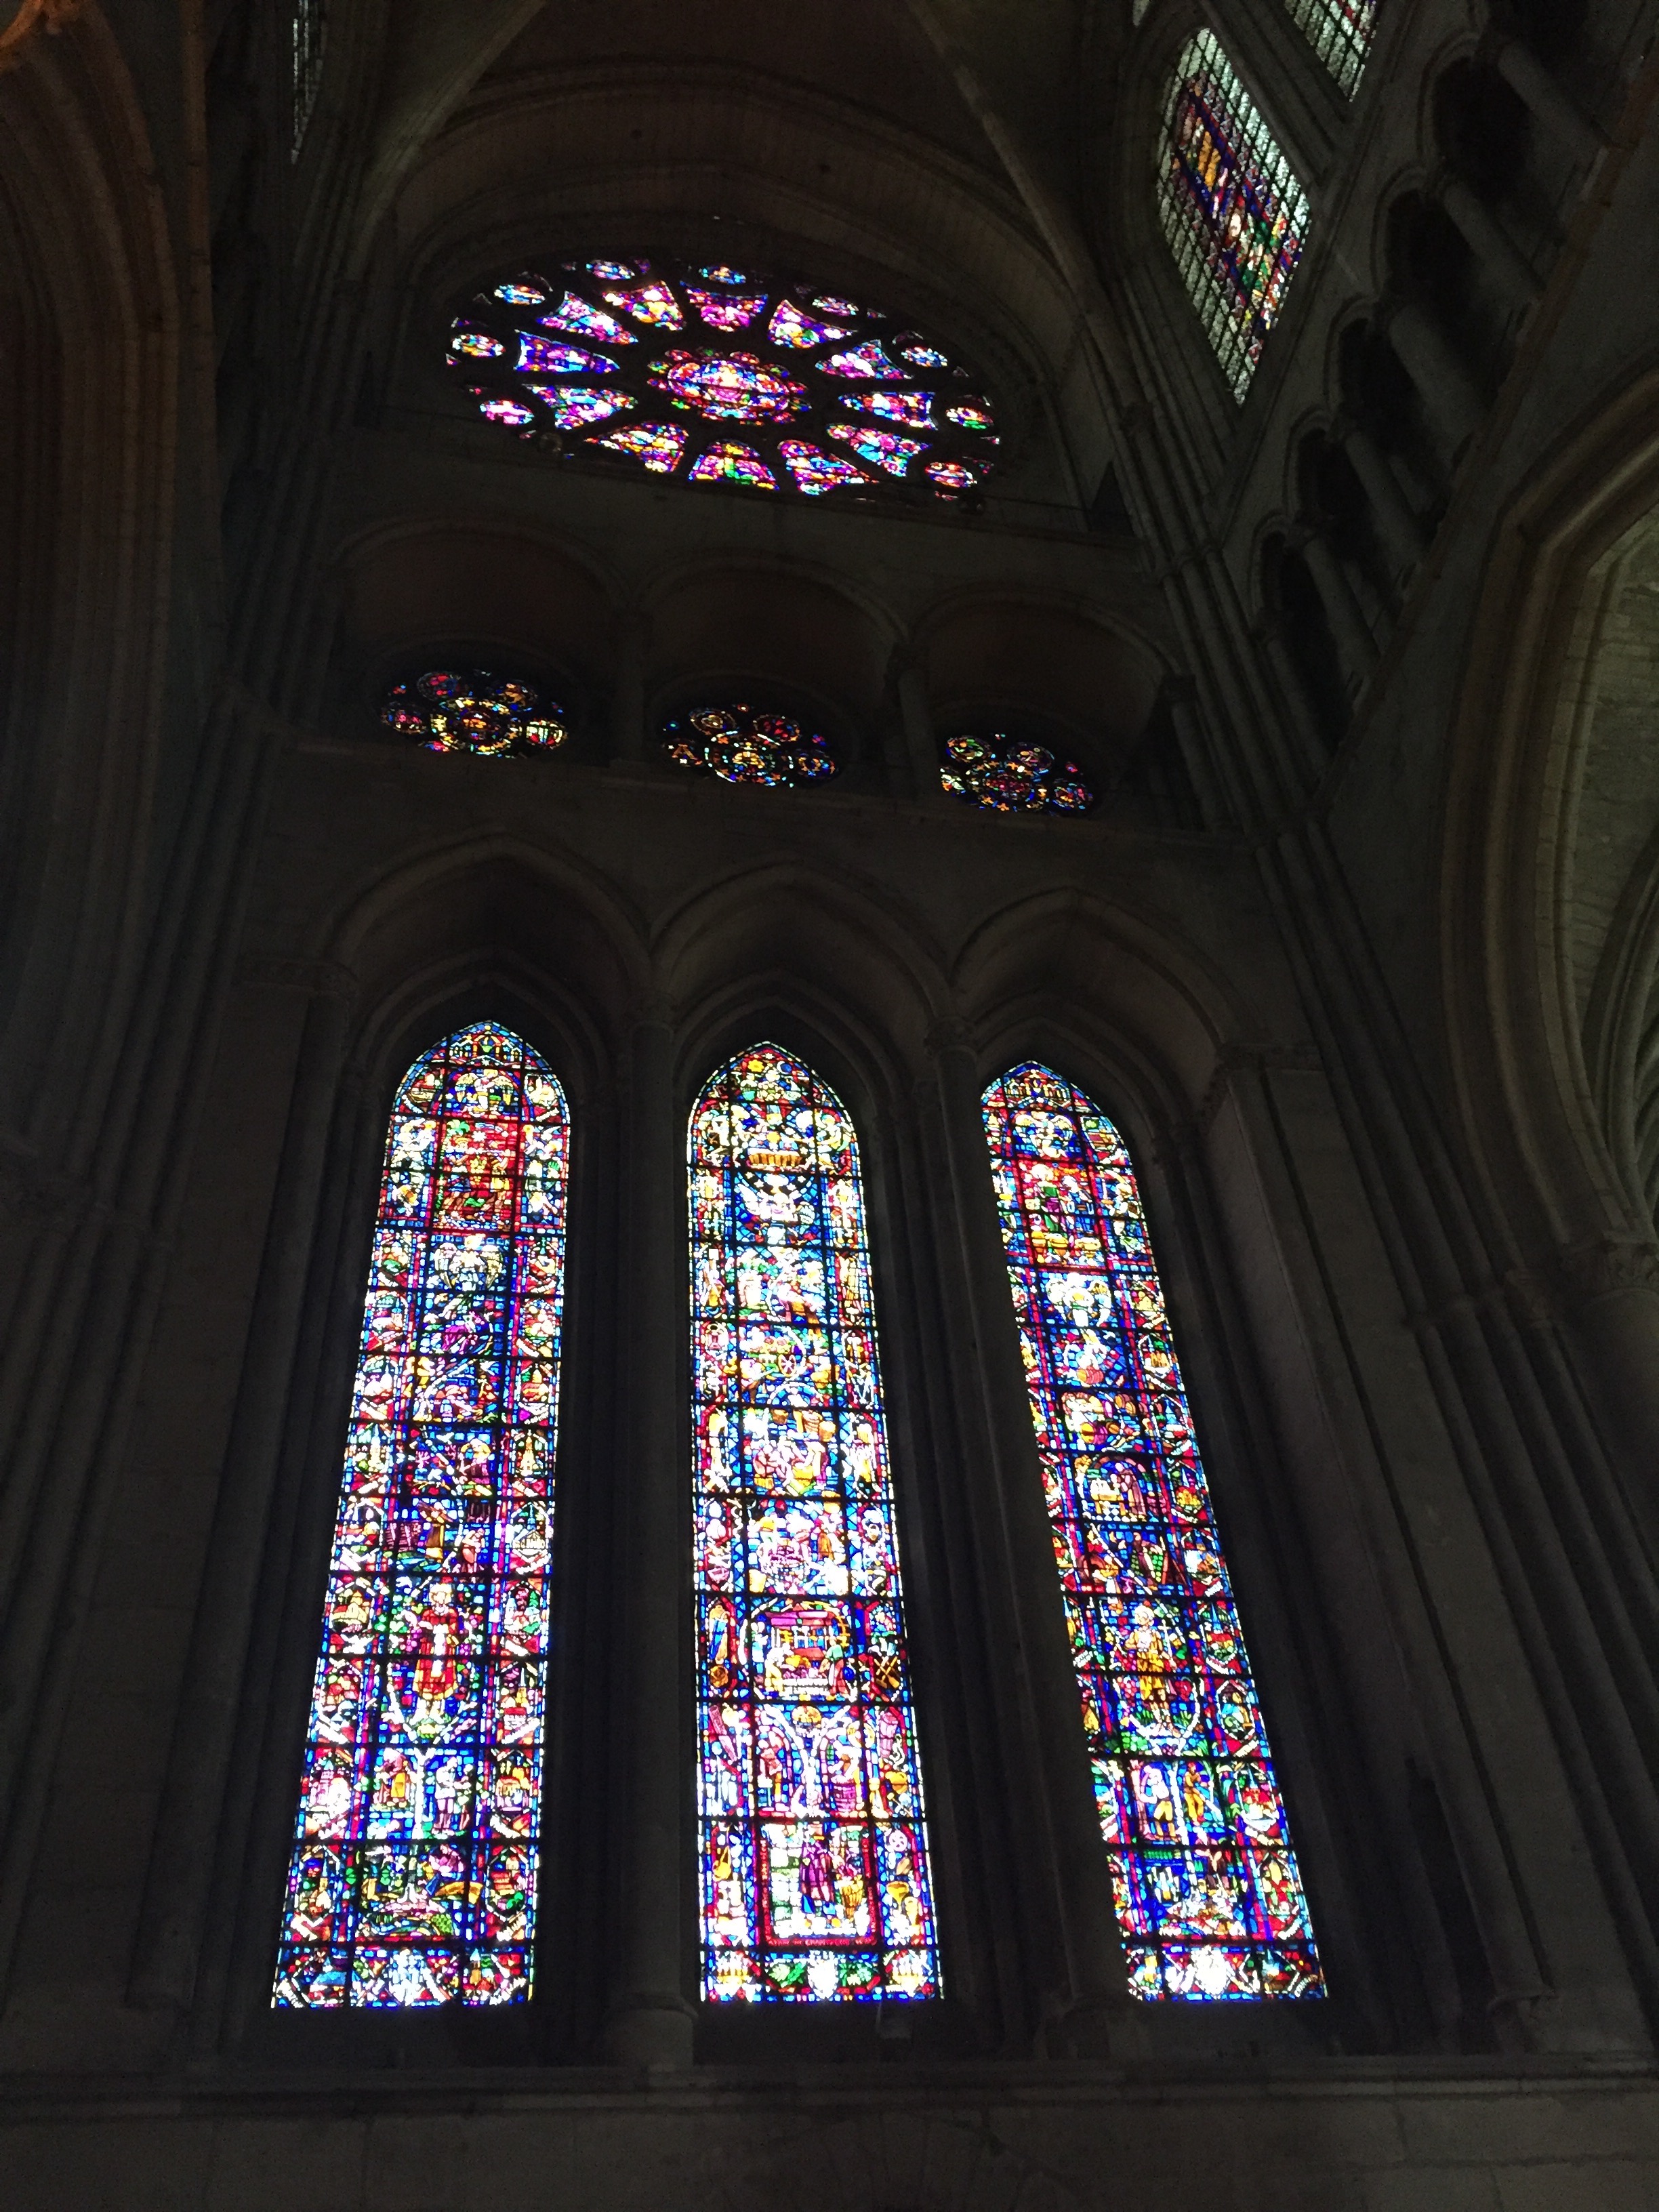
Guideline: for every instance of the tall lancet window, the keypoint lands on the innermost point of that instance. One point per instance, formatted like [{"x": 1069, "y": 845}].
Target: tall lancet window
[
  {"x": 1207, "y": 1892},
  {"x": 1339, "y": 32},
  {"x": 1232, "y": 208},
  {"x": 413, "y": 1875},
  {"x": 812, "y": 1849}
]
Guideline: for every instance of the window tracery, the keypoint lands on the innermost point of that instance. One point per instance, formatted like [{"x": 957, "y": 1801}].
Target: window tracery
[
  {"x": 741, "y": 744},
  {"x": 1233, "y": 210},
  {"x": 451, "y": 710},
  {"x": 814, "y": 1860},
  {"x": 804, "y": 391},
  {"x": 1340, "y": 31},
  {"x": 1005, "y": 776},
  {"x": 1208, "y": 1894},
  {"x": 412, "y": 1878}
]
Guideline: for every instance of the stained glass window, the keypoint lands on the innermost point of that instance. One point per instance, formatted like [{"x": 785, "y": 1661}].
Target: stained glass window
[
  {"x": 1339, "y": 32},
  {"x": 1208, "y": 1895},
  {"x": 451, "y": 710},
  {"x": 812, "y": 1849},
  {"x": 721, "y": 375},
  {"x": 999, "y": 772},
  {"x": 1233, "y": 210},
  {"x": 308, "y": 31},
  {"x": 741, "y": 745},
  {"x": 413, "y": 1875}
]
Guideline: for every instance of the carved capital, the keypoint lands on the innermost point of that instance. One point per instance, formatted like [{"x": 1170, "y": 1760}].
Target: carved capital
[
  {"x": 1234, "y": 1059},
  {"x": 1597, "y": 1268},
  {"x": 26, "y": 18}
]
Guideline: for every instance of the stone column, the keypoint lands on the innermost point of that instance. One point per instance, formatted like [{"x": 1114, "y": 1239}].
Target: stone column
[
  {"x": 1525, "y": 73},
  {"x": 627, "y": 732},
  {"x": 1488, "y": 241},
  {"x": 1310, "y": 747},
  {"x": 1194, "y": 740},
  {"x": 1055, "y": 1811},
  {"x": 1612, "y": 1295},
  {"x": 1396, "y": 526},
  {"x": 1354, "y": 642},
  {"x": 1448, "y": 390},
  {"x": 921, "y": 738},
  {"x": 648, "y": 2021}
]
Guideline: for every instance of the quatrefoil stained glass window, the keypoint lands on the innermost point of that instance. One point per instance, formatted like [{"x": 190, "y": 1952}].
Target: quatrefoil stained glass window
[
  {"x": 717, "y": 375},
  {"x": 451, "y": 710},
  {"x": 741, "y": 745}
]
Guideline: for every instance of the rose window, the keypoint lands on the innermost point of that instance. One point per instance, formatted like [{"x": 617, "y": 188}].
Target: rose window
[
  {"x": 716, "y": 376},
  {"x": 469, "y": 711},
  {"x": 740, "y": 745},
  {"x": 1007, "y": 777}
]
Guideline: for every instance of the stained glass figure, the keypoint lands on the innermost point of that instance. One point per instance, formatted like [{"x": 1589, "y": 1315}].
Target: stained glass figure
[
  {"x": 884, "y": 448},
  {"x": 541, "y": 357},
  {"x": 813, "y": 1856},
  {"x": 575, "y": 406},
  {"x": 741, "y": 745},
  {"x": 862, "y": 361},
  {"x": 1208, "y": 1895},
  {"x": 658, "y": 445},
  {"x": 735, "y": 464},
  {"x": 723, "y": 312},
  {"x": 413, "y": 1875},
  {"x": 913, "y": 409},
  {"x": 469, "y": 711},
  {"x": 817, "y": 472},
  {"x": 793, "y": 367},
  {"x": 308, "y": 37},
  {"x": 732, "y": 387},
  {"x": 1001, "y": 774},
  {"x": 583, "y": 320},
  {"x": 1231, "y": 208},
  {"x": 1340, "y": 31}
]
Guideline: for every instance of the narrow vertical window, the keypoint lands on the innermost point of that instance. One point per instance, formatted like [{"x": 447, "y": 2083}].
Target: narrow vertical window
[
  {"x": 1233, "y": 212},
  {"x": 813, "y": 1850},
  {"x": 413, "y": 1875},
  {"x": 1208, "y": 1895},
  {"x": 1339, "y": 32},
  {"x": 308, "y": 33}
]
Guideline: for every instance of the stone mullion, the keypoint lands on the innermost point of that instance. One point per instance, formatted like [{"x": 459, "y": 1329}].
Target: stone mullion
[
  {"x": 1065, "y": 1892},
  {"x": 649, "y": 2020}
]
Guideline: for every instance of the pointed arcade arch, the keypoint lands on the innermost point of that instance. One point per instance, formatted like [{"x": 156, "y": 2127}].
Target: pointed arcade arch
[
  {"x": 1208, "y": 1895},
  {"x": 412, "y": 1880},
  {"x": 813, "y": 1850}
]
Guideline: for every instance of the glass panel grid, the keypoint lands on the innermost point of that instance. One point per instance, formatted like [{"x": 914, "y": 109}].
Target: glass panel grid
[
  {"x": 1340, "y": 31},
  {"x": 814, "y": 1860},
  {"x": 1208, "y": 1891},
  {"x": 412, "y": 1880},
  {"x": 1234, "y": 215}
]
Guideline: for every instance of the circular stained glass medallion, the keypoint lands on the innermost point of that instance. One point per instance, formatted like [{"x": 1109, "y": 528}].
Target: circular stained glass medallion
[
  {"x": 720, "y": 375},
  {"x": 469, "y": 711},
  {"x": 999, "y": 772},
  {"x": 740, "y": 745}
]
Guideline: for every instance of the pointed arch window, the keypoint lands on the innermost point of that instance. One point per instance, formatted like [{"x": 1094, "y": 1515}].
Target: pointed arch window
[
  {"x": 814, "y": 1860},
  {"x": 412, "y": 1879},
  {"x": 1232, "y": 208},
  {"x": 1340, "y": 31},
  {"x": 1207, "y": 1890}
]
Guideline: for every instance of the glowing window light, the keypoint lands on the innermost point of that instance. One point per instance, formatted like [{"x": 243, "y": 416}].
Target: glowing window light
[
  {"x": 412, "y": 1880},
  {"x": 1208, "y": 1895},
  {"x": 1231, "y": 208},
  {"x": 1340, "y": 31},
  {"x": 813, "y": 1851},
  {"x": 307, "y": 36}
]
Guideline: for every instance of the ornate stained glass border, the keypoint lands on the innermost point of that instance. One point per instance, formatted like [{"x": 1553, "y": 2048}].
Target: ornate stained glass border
[{"x": 713, "y": 375}]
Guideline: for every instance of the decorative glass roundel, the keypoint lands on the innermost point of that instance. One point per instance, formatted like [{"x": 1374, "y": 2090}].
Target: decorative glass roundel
[
  {"x": 1000, "y": 773},
  {"x": 739, "y": 745},
  {"x": 716, "y": 376},
  {"x": 469, "y": 711}
]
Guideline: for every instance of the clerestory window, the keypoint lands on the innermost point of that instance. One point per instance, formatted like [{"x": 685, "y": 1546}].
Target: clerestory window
[
  {"x": 1233, "y": 210},
  {"x": 1340, "y": 31}
]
